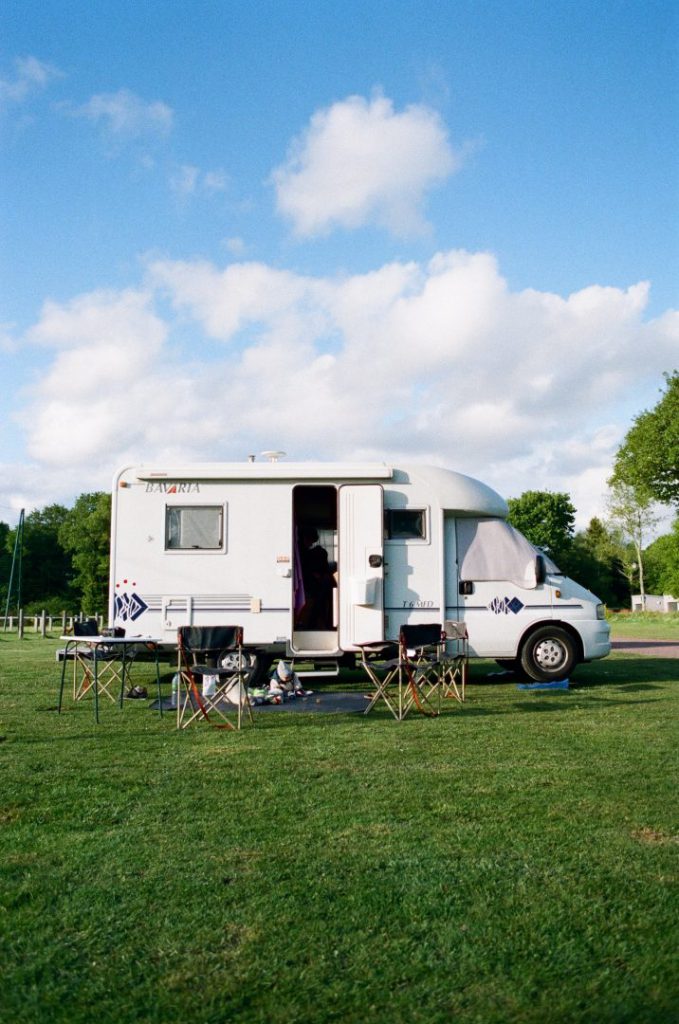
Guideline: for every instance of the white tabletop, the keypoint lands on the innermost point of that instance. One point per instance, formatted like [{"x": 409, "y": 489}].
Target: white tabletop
[{"x": 120, "y": 640}]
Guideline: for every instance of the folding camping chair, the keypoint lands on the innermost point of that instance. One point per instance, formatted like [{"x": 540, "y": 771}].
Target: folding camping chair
[
  {"x": 213, "y": 677},
  {"x": 89, "y": 659},
  {"x": 456, "y": 660},
  {"x": 381, "y": 664},
  {"x": 422, "y": 654},
  {"x": 407, "y": 674}
]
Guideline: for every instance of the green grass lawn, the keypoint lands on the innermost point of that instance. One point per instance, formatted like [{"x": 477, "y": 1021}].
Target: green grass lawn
[
  {"x": 644, "y": 625},
  {"x": 513, "y": 860}
]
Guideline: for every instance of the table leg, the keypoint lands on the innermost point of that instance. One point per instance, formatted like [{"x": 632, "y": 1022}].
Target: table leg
[
  {"x": 63, "y": 676},
  {"x": 122, "y": 676},
  {"x": 160, "y": 699},
  {"x": 96, "y": 686}
]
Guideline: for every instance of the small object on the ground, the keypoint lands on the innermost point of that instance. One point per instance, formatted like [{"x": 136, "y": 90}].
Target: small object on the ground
[
  {"x": 137, "y": 693},
  {"x": 557, "y": 684}
]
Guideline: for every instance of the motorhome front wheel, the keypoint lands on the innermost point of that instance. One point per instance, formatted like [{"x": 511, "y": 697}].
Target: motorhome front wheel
[{"x": 548, "y": 654}]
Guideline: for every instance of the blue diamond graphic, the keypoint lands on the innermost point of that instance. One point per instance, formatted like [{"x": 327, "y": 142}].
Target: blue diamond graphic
[{"x": 129, "y": 606}]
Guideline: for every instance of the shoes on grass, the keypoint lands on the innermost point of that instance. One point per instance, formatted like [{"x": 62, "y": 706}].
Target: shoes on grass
[{"x": 137, "y": 693}]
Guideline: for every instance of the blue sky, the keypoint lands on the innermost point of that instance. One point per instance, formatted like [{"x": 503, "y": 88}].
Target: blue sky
[{"x": 441, "y": 231}]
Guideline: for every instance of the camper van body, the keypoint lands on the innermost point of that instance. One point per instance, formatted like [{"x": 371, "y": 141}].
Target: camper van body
[{"x": 218, "y": 544}]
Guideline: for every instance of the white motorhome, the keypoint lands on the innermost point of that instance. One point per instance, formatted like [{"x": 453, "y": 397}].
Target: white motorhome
[{"x": 221, "y": 543}]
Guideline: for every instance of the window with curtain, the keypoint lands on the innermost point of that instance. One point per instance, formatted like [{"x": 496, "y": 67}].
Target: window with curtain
[{"x": 194, "y": 527}]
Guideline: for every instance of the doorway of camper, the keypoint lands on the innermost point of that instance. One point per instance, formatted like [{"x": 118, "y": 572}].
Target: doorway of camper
[{"x": 314, "y": 578}]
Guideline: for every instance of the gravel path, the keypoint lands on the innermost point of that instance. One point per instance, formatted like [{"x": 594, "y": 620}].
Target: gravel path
[{"x": 648, "y": 648}]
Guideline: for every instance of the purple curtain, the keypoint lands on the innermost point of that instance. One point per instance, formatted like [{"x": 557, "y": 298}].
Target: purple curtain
[{"x": 297, "y": 579}]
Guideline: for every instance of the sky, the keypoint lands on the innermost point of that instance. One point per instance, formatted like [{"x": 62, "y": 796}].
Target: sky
[{"x": 442, "y": 232}]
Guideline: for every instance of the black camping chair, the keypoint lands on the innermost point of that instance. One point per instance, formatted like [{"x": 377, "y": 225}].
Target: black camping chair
[
  {"x": 213, "y": 676},
  {"x": 421, "y": 653},
  {"x": 416, "y": 671}
]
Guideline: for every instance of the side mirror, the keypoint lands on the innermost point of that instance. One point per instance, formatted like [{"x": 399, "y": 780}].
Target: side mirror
[{"x": 540, "y": 569}]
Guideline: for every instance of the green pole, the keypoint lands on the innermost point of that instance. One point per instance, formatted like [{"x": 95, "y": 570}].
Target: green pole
[{"x": 16, "y": 567}]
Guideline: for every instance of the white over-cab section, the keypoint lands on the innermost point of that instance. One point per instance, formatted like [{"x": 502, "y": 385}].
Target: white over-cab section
[{"x": 313, "y": 559}]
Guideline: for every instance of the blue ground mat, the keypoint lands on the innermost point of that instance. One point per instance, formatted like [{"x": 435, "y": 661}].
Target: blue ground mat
[{"x": 558, "y": 684}]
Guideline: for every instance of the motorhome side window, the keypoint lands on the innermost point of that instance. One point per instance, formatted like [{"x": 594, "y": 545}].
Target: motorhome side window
[
  {"x": 194, "y": 527},
  {"x": 406, "y": 523}
]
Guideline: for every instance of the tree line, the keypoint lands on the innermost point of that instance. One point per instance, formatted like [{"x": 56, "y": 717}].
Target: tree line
[
  {"x": 65, "y": 557},
  {"x": 613, "y": 557},
  {"x": 65, "y": 561}
]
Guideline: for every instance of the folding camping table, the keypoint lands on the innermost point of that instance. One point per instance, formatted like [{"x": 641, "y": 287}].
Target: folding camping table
[{"x": 93, "y": 651}]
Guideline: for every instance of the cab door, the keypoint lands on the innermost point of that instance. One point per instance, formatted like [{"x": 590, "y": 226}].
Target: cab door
[{"x": 361, "y": 564}]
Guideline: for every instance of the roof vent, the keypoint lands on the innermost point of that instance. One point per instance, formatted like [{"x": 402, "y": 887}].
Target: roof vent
[{"x": 273, "y": 456}]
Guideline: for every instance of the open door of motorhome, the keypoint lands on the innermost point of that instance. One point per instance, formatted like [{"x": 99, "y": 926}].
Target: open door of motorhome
[{"x": 361, "y": 564}]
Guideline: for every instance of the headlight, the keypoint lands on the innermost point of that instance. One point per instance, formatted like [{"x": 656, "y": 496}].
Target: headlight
[{"x": 601, "y": 611}]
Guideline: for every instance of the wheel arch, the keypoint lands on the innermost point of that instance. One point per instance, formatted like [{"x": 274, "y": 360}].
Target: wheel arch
[{"x": 553, "y": 623}]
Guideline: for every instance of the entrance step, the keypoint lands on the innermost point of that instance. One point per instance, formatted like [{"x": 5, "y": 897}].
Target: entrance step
[
  {"x": 308, "y": 643},
  {"x": 316, "y": 669}
]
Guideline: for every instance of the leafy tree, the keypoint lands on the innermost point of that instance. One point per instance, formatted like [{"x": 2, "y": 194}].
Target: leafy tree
[
  {"x": 648, "y": 459},
  {"x": 86, "y": 532},
  {"x": 597, "y": 561},
  {"x": 634, "y": 513},
  {"x": 46, "y": 566},
  {"x": 662, "y": 563},
  {"x": 547, "y": 519},
  {"x": 5, "y": 564}
]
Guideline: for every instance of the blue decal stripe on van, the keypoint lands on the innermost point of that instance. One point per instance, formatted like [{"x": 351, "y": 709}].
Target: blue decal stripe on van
[
  {"x": 505, "y": 605},
  {"x": 526, "y": 608},
  {"x": 411, "y": 608}
]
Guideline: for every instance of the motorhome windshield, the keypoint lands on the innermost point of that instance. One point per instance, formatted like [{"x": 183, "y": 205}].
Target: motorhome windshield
[
  {"x": 491, "y": 549},
  {"x": 550, "y": 567}
]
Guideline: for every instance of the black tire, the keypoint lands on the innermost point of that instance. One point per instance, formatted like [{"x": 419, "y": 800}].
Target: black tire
[
  {"x": 258, "y": 663},
  {"x": 548, "y": 654},
  {"x": 261, "y": 665}
]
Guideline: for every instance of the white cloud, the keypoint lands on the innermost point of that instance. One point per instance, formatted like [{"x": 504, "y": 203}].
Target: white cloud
[
  {"x": 8, "y": 341},
  {"x": 95, "y": 394},
  {"x": 30, "y": 76},
  {"x": 185, "y": 180},
  {"x": 215, "y": 181},
  {"x": 124, "y": 115},
  {"x": 190, "y": 181},
  {"x": 436, "y": 362},
  {"x": 244, "y": 294},
  {"x": 234, "y": 245},
  {"x": 359, "y": 162}
]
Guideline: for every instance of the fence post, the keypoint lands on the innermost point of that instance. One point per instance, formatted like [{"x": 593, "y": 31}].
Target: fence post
[
  {"x": 43, "y": 624},
  {"x": 63, "y": 623},
  {"x": 20, "y": 624}
]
